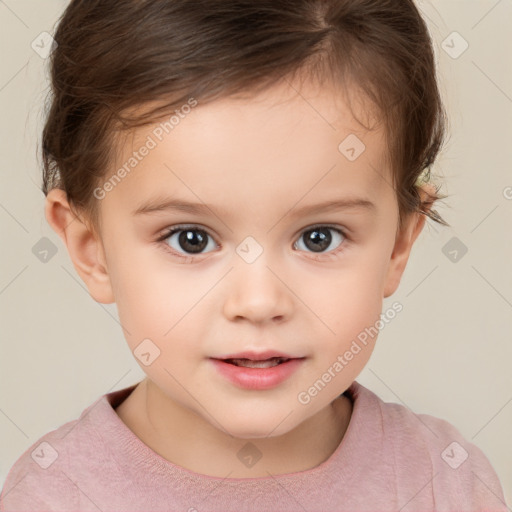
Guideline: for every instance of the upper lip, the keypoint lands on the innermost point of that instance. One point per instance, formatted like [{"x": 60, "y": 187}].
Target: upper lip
[{"x": 257, "y": 356}]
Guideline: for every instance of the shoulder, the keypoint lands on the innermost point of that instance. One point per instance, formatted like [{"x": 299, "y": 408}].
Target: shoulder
[
  {"x": 44, "y": 476},
  {"x": 454, "y": 470}
]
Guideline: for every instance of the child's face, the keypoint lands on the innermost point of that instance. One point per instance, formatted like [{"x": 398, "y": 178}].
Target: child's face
[{"x": 256, "y": 164}]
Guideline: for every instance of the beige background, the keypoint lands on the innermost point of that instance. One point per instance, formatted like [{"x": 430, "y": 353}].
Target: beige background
[{"x": 447, "y": 353}]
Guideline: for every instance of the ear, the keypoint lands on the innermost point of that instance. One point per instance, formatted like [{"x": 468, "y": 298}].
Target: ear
[
  {"x": 403, "y": 244},
  {"x": 84, "y": 246}
]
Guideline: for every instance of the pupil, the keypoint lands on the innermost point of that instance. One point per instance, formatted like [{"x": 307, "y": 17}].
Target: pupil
[
  {"x": 320, "y": 239},
  {"x": 193, "y": 241}
]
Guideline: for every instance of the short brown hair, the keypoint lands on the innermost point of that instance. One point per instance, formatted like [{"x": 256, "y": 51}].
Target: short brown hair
[{"x": 111, "y": 54}]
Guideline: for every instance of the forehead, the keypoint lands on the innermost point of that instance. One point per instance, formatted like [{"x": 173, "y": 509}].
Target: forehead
[{"x": 304, "y": 137}]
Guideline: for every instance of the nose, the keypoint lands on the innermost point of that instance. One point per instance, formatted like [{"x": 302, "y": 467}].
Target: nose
[{"x": 258, "y": 293}]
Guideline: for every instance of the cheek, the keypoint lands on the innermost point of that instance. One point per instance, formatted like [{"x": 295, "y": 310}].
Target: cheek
[
  {"x": 348, "y": 303},
  {"x": 159, "y": 301},
  {"x": 143, "y": 294}
]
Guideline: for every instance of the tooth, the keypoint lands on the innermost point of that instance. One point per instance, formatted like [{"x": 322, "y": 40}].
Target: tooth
[{"x": 248, "y": 363}]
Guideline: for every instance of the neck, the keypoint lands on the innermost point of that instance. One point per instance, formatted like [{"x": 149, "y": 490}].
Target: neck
[{"x": 184, "y": 438}]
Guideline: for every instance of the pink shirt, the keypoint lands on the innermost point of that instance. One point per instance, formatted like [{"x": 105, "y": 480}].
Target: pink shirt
[{"x": 389, "y": 459}]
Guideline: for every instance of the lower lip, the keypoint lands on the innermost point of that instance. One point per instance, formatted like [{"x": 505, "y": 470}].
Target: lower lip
[{"x": 258, "y": 378}]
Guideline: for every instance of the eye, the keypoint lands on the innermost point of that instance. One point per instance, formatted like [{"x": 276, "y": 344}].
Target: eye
[
  {"x": 190, "y": 239},
  {"x": 319, "y": 238}
]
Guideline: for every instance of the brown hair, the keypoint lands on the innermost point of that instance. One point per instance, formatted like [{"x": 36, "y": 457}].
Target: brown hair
[{"x": 110, "y": 54}]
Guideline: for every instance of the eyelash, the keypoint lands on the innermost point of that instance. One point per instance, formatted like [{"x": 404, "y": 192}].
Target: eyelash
[{"x": 190, "y": 258}]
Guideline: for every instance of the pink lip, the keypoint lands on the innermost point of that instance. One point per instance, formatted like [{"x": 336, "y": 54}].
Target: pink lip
[
  {"x": 257, "y": 378},
  {"x": 257, "y": 356}
]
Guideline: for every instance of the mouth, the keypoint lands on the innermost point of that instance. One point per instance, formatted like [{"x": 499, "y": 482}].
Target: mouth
[
  {"x": 250, "y": 363},
  {"x": 257, "y": 374}
]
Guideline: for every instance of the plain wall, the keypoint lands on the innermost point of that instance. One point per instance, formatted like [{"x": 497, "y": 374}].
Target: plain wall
[{"x": 447, "y": 353}]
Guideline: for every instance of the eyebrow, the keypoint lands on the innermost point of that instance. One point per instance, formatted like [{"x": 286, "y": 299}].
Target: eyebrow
[{"x": 169, "y": 204}]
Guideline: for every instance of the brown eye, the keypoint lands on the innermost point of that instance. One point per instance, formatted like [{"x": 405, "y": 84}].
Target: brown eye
[
  {"x": 319, "y": 238},
  {"x": 188, "y": 240}
]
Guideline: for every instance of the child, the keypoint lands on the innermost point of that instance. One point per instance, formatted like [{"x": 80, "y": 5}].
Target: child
[{"x": 245, "y": 179}]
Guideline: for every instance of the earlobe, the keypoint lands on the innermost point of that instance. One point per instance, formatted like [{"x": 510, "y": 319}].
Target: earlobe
[{"x": 85, "y": 248}]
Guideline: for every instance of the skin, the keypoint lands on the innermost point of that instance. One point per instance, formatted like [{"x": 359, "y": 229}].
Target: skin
[{"x": 254, "y": 162}]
